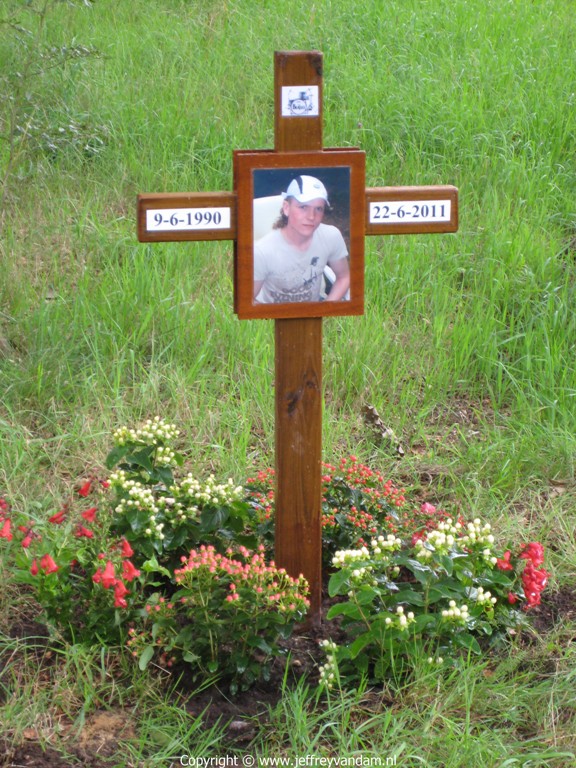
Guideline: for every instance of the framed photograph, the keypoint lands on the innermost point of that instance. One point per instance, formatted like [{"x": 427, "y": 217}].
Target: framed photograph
[{"x": 299, "y": 248}]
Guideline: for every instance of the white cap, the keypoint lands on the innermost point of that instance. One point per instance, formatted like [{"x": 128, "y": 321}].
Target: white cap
[{"x": 306, "y": 188}]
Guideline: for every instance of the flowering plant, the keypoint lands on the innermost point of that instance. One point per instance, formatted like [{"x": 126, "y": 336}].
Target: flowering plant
[
  {"x": 83, "y": 578},
  {"x": 226, "y": 616},
  {"x": 103, "y": 567},
  {"x": 163, "y": 517},
  {"x": 357, "y": 504},
  {"x": 427, "y": 594}
]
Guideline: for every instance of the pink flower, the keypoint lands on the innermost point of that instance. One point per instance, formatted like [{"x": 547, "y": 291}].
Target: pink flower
[
  {"x": 108, "y": 576},
  {"x": 90, "y": 514},
  {"x": 34, "y": 568},
  {"x": 85, "y": 490},
  {"x": 48, "y": 565},
  {"x": 129, "y": 571},
  {"x": 58, "y": 518},
  {"x": 428, "y": 509},
  {"x": 127, "y": 550},
  {"x": 504, "y": 563}
]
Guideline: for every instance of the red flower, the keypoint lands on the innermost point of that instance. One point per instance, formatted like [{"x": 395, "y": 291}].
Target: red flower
[
  {"x": 5, "y": 532},
  {"x": 83, "y": 532},
  {"x": 90, "y": 514},
  {"x": 27, "y": 540},
  {"x": 512, "y": 598},
  {"x": 47, "y": 564},
  {"x": 34, "y": 568},
  {"x": 534, "y": 581},
  {"x": 129, "y": 571},
  {"x": 58, "y": 517},
  {"x": 120, "y": 591},
  {"x": 504, "y": 563},
  {"x": 533, "y": 552},
  {"x": 108, "y": 576},
  {"x": 85, "y": 490},
  {"x": 127, "y": 550}
]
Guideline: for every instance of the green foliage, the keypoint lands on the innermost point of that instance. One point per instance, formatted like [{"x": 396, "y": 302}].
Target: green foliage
[
  {"x": 225, "y": 619},
  {"x": 434, "y": 594},
  {"x": 466, "y": 347},
  {"x": 161, "y": 516},
  {"x": 127, "y": 569}
]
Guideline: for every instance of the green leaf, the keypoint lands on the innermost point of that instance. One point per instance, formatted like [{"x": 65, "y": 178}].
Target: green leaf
[
  {"x": 139, "y": 519},
  {"x": 360, "y": 643},
  {"x": 408, "y": 596},
  {"x": 146, "y": 657},
  {"x": 344, "y": 609},
  {"x": 191, "y": 658},
  {"x": 213, "y": 518},
  {"x": 337, "y": 581},
  {"x": 446, "y": 563},
  {"x": 422, "y": 572},
  {"x": 163, "y": 475},
  {"x": 467, "y": 641},
  {"x": 153, "y": 566},
  {"x": 141, "y": 458},
  {"x": 116, "y": 455},
  {"x": 366, "y": 594}
]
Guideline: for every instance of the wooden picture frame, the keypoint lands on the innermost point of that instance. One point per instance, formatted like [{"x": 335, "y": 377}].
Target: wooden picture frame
[{"x": 268, "y": 207}]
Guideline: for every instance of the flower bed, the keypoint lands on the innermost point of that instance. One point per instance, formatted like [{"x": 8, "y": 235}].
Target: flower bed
[{"x": 177, "y": 569}]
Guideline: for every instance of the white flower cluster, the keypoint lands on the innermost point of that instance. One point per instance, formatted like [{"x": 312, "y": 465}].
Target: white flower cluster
[
  {"x": 480, "y": 535},
  {"x": 484, "y": 598},
  {"x": 441, "y": 539},
  {"x": 211, "y": 492},
  {"x": 455, "y": 613},
  {"x": 173, "y": 510},
  {"x": 118, "y": 478},
  {"x": 141, "y": 498},
  {"x": 349, "y": 556},
  {"x": 154, "y": 432},
  {"x": 400, "y": 620},
  {"x": 328, "y": 671},
  {"x": 385, "y": 545},
  {"x": 165, "y": 456}
]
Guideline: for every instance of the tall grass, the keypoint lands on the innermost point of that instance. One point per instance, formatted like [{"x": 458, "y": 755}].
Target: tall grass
[{"x": 467, "y": 347}]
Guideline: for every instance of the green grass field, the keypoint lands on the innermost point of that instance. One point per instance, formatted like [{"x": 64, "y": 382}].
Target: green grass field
[{"x": 467, "y": 348}]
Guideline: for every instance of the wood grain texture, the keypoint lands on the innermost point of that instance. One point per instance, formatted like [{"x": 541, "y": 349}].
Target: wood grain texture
[{"x": 298, "y": 362}]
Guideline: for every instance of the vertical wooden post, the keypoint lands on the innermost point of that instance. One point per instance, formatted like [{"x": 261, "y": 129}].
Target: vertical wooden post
[{"x": 298, "y": 373}]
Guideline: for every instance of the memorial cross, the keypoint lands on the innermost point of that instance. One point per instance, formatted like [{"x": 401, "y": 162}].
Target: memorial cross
[{"x": 298, "y": 324}]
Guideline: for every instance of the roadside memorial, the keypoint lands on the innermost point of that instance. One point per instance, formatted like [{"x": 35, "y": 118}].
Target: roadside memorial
[{"x": 297, "y": 187}]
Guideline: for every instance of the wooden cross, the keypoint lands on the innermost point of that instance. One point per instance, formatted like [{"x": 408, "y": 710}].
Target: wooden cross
[{"x": 298, "y": 325}]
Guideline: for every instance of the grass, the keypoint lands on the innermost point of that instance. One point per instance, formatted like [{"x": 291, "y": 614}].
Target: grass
[{"x": 466, "y": 348}]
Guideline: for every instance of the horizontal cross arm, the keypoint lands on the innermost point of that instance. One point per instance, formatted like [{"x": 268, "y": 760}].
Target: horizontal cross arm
[
  {"x": 180, "y": 216},
  {"x": 411, "y": 210}
]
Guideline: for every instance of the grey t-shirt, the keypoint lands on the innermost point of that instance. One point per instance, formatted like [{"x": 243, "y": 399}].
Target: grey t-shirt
[{"x": 289, "y": 274}]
